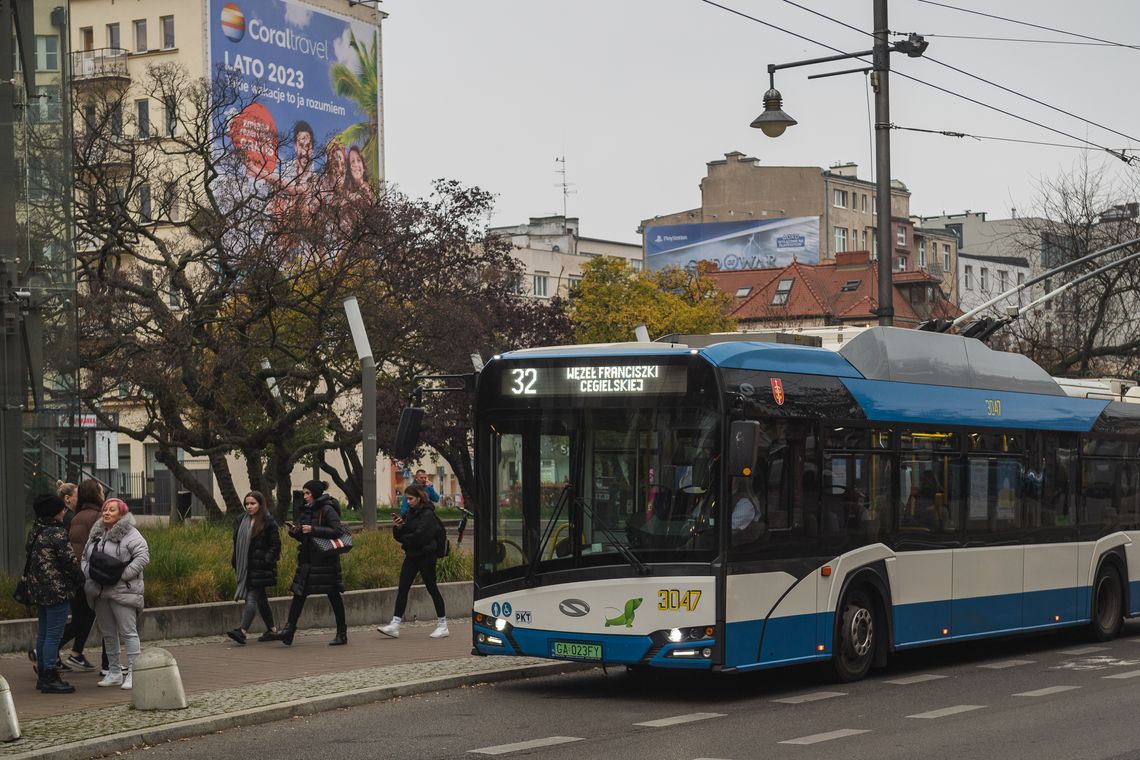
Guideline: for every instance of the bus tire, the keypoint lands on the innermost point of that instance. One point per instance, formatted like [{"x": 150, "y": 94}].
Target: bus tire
[
  {"x": 857, "y": 637},
  {"x": 1107, "y": 603}
]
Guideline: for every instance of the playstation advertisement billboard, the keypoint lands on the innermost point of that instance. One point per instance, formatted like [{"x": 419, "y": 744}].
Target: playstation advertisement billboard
[
  {"x": 309, "y": 81},
  {"x": 754, "y": 244}
]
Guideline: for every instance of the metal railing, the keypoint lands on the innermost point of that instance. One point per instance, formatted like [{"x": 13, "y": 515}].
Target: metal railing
[{"x": 101, "y": 63}]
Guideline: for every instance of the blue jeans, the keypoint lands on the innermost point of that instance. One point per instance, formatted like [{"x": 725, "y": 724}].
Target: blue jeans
[{"x": 52, "y": 621}]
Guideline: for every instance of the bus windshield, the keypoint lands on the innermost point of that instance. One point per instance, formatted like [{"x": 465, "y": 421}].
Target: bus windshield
[{"x": 588, "y": 487}]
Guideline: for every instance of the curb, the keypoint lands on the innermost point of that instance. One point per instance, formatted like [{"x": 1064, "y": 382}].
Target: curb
[{"x": 122, "y": 742}]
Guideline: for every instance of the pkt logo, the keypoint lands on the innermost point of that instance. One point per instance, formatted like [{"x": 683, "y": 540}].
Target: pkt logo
[
  {"x": 573, "y": 608},
  {"x": 233, "y": 22}
]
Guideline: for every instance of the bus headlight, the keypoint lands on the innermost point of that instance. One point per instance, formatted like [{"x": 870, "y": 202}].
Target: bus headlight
[
  {"x": 500, "y": 624},
  {"x": 679, "y": 635}
]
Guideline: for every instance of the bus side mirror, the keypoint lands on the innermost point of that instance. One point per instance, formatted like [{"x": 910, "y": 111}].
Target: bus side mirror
[
  {"x": 743, "y": 438},
  {"x": 408, "y": 433}
]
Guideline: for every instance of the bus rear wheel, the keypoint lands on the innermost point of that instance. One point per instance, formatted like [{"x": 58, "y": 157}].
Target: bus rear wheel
[
  {"x": 857, "y": 637},
  {"x": 1107, "y": 604}
]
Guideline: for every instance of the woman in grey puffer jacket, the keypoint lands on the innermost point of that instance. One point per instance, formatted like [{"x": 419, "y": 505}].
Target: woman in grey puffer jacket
[{"x": 117, "y": 607}]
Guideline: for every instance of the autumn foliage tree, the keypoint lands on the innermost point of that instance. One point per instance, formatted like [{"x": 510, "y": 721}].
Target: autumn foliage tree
[{"x": 612, "y": 299}]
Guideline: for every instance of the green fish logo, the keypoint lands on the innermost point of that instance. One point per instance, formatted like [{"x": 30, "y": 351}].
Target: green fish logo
[{"x": 626, "y": 618}]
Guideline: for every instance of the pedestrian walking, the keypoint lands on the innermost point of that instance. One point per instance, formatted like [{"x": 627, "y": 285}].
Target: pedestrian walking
[
  {"x": 257, "y": 547},
  {"x": 423, "y": 482},
  {"x": 317, "y": 573},
  {"x": 88, "y": 510},
  {"x": 52, "y": 575},
  {"x": 422, "y": 536},
  {"x": 113, "y": 561}
]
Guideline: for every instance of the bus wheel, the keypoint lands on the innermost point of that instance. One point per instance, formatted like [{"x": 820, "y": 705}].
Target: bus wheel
[
  {"x": 856, "y": 639},
  {"x": 1107, "y": 604}
]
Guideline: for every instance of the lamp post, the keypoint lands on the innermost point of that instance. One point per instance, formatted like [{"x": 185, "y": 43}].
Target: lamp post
[
  {"x": 773, "y": 121},
  {"x": 368, "y": 407}
]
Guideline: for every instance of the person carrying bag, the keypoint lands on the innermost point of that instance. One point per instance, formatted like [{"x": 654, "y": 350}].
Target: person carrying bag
[{"x": 423, "y": 538}]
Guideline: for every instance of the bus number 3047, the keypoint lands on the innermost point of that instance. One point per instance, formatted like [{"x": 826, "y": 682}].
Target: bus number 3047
[{"x": 676, "y": 599}]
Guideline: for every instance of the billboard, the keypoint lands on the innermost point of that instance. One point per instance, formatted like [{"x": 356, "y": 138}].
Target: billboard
[
  {"x": 754, "y": 244},
  {"x": 316, "y": 79}
]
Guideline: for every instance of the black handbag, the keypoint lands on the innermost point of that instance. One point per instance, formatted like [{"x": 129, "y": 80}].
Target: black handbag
[
  {"x": 327, "y": 547},
  {"x": 105, "y": 569},
  {"x": 20, "y": 593}
]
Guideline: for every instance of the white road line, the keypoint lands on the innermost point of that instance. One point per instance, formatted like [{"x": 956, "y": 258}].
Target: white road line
[
  {"x": 1046, "y": 691},
  {"x": 947, "y": 711},
  {"x": 662, "y": 722},
  {"x": 1129, "y": 674},
  {"x": 915, "y": 679},
  {"x": 826, "y": 737},
  {"x": 503, "y": 749},
  {"x": 1006, "y": 664},
  {"x": 814, "y": 696},
  {"x": 1083, "y": 650}
]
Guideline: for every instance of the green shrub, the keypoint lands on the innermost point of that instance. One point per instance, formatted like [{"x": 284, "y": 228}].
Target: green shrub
[{"x": 190, "y": 564}]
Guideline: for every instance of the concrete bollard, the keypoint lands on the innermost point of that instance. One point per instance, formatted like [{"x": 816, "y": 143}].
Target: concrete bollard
[
  {"x": 157, "y": 682},
  {"x": 9, "y": 723}
]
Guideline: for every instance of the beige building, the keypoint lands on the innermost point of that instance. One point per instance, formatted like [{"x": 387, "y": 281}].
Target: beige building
[
  {"x": 113, "y": 43},
  {"x": 553, "y": 253}
]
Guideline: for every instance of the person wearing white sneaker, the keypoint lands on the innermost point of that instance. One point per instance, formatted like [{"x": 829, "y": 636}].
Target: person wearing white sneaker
[
  {"x": 424, "y": 540},
  {"x": 113, "y": 561},
  {"x": 128, "y": 681}
]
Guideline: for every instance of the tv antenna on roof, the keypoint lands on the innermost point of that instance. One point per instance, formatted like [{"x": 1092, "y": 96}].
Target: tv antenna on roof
[{"x": 566, "y": 191}]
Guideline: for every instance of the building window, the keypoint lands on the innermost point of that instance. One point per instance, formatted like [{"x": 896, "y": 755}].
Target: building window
[
  {"x": 47, "y": 53},
  {"x": 854, "y": 201},
  {"x": 1003, "y": 280},
  {"x": 87, "y": 38},
  {"x": 946, "y": 256},
  {"x": 850, "y": 285},
  {"x": 900, "y": 236},
  {"x": 170, "y": 206},
  {"x": 635, "y": 264},
  {"x": 782, "y": 291},
  {"x": 864, "y": 201},
  {"x": 900, "y": 263},
  {"x": 864, "y": 246},
  {"x": 45, "y": 106},
  {"x": 840, "y": 239},
  {"x": 116, "y": 118},
  {"x": 969, "y": 277},
  {"x": 539, "y": 284},
  {"x": 985, "y": 280},
  {"x": 142, "y": 117},
  {"x": 170, "y": 105},
  {"x": 145, "y": 211},
  {"x": 575, "y": 281},
  {"x": 922, "y": 254},
  {"x": 839, "y": 200},
  {"x": 167, "y": 23},
  {"x": 140, "y": 35},
  {"x": 113, "y": 39},
  {"x": 1020, "y": 279},
  {"x": 174, "y": 299},
  {"x": 743, "y": 292}
]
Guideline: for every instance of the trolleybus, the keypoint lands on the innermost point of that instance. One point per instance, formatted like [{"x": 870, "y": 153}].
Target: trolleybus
[{"x": 746, "y": 504}]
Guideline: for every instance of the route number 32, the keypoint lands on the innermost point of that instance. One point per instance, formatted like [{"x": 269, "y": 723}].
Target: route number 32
[
  {"x": 523, "y": 380},
  {"x": 675, "y": 599}
]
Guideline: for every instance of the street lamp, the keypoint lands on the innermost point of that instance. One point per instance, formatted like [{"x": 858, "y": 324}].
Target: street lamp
[
  {"x": 368, "y": 407},
  {"x": 773, "y": 121}
]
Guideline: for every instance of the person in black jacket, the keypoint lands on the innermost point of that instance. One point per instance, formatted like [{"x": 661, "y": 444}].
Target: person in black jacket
[
  {"x": 53, "y": 574},
  {"x": 257, "y": 547},
  {"x": 316, "y": 573},
  {"x": 419, "y": 532}
]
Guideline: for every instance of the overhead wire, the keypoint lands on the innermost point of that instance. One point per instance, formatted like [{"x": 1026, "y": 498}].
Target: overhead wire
[
  {"x": 952, "y": 133},
  {"x": 1026, "y": 23},
  {"x": 1018, "y": 39}
]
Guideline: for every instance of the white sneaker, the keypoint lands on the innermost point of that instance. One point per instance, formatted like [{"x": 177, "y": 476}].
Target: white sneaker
[
  {"x": 114, "y": 678},
  {"x": 128, "y": 681},
  {"x": 392, "y": 629},
  {"x": 440, "y": 631}
]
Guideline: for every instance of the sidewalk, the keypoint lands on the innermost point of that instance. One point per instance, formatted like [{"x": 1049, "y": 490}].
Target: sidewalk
[{"x": 228, "y": 685}]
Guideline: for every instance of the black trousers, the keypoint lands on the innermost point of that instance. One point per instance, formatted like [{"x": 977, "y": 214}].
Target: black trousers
[
  {"x": 425, "y": 567},
  {"x": 79, "y": 627},
  {"x": 337, "y": 603}
]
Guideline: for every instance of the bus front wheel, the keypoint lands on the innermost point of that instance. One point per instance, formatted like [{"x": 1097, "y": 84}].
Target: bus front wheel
[
  {"x": 857, "y": 637},
  {"x": 1107, "y": 604}
]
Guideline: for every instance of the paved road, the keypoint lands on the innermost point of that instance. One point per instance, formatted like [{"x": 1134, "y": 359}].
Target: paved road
[{"x": 1055, "y": 696}]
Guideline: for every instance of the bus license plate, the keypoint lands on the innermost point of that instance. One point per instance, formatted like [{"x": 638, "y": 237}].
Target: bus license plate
[{"x": 576, "y": 650}]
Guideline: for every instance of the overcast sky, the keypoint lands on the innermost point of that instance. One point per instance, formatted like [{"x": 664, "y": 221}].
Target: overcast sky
[{"x": 639, "y": 94}]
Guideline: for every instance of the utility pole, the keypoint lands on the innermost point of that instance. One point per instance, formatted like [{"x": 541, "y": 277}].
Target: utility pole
[{"x": 880, "y": 76}]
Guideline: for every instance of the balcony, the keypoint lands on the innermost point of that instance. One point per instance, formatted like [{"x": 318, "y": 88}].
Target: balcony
[{"x": 101, "y": 64}]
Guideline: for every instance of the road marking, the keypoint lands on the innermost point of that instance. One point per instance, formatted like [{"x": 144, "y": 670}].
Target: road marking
[
  {"x": 1083, "y": 650},
  {"x": 814, "y": 696},
  {"x": 1006, "y": 664},
  {"x": 915, "y": 679},
  {"x": 826, "y": 737},
  {"x": 503, "y": 749},
  {"x": 1046, "y": 691},
  {"x": 947, "y": 711},
  {"x": 662, "y": 722},
  {"x": 1129, "y": 674}
]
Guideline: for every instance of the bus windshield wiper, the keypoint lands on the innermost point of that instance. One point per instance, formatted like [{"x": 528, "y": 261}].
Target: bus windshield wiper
[
  {"x": 532, "y": 564},
  {"x": 623, "y": 550}
]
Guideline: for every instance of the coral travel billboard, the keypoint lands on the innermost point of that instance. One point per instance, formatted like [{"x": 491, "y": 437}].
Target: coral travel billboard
[
  {"x": 315, "y": 79},
  {"x": 757, "y": 244}
]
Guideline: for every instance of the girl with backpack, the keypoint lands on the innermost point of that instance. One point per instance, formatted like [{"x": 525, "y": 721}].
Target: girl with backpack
[{"x": 423, "y": 538}]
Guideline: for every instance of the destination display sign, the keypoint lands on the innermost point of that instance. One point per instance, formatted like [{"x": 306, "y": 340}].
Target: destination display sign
[{"x": 595, "y": 380}]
